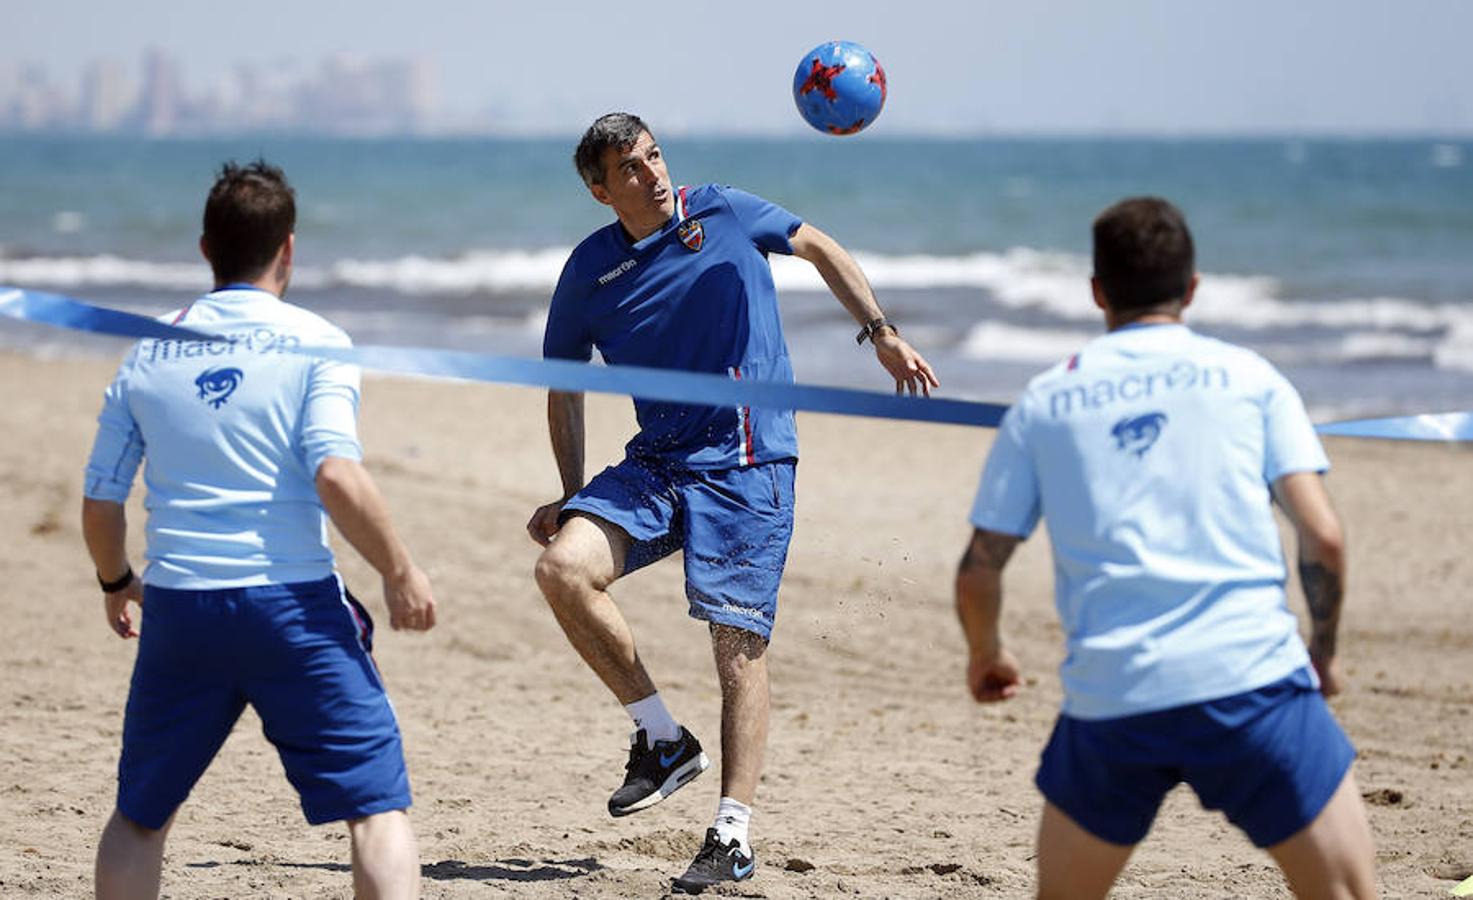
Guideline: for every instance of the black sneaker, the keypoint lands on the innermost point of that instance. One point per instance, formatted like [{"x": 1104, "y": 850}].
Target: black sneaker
[
  {"x": 654, "y": 773},
  {"x": 714, "y": 863}
]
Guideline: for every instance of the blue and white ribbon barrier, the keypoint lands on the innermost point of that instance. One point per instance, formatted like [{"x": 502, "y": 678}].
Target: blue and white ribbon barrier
[
  {"x": 1453, "y": 426},
  {"x": 672, "y": 386}
]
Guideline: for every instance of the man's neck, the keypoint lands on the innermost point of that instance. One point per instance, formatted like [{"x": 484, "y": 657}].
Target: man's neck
[
  {"x": 1168, "y": 313},
  {"x": 638, "y": 231},
  {"x": 269, "y": 285}
]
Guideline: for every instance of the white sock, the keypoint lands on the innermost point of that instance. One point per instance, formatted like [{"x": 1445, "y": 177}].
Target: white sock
[
  {"x": 651, "y": 715},
  {"x": 732, "y": 822}
]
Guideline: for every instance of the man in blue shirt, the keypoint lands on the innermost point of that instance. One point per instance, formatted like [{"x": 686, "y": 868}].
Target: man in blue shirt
[
  {"x": 1154, "y": 455},
  {"x": 681, "y": 281},
  {"x": 244, "y": 445}
]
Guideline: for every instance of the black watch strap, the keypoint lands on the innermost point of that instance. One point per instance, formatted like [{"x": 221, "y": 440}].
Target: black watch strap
[
  {"x": 112, "y": 587},
  {"x": 872, "y": 327}
]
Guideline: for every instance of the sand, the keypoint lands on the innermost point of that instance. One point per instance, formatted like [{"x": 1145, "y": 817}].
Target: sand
[{"x": 883, "y": 779}]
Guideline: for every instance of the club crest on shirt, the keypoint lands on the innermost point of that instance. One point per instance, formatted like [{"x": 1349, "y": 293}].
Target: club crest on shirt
[
  {"x": 1138, "y": 434},
  {"x": 691, "y": 234},
  {"x": 216, "y": 385}
]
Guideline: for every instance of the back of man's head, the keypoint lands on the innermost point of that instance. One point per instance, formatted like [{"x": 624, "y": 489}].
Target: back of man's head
[
  {"x": 619, "y": 130},
  {"x": 1143, "y": 253},
  {"x": 250, "y": 213}
]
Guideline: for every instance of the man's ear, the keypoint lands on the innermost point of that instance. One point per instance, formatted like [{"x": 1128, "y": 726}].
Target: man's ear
[
  {"x": 601, "y": 194},
  {"x": 1191, "y": 293},
  {"x": 1099, "y": 294},
  {"x": 288, "y": 248},
  {"x": 204, "y": 248}
]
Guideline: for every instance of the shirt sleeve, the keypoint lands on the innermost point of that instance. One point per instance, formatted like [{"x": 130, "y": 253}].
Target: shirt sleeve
[
  {"x": 330, "y": 411},
  {"x": 566, "y": 336},
  {"x": 1289, "y": 441},
  {"x": 117, "y": 450},
  {"x": 1007, "y": 500},
  {"x": 767, "y": 224}
]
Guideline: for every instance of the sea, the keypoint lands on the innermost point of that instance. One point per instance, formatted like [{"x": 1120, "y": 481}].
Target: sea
[{"x": 1346, "y": 262}]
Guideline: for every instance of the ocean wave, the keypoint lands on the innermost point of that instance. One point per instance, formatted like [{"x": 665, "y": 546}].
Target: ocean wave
[
  {"x": 509, "y": 270},
  {"x": 1043, "y": 346},
  {"x": 44, "y": 272},
  {"x": 1055, "y": 284}
]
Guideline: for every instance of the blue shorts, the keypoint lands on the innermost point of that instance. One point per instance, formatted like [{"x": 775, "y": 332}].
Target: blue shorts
[
  {"x": 299, "y": 654},
  {"x": 1270, "y": 759},
  {"x": 734, "y": 526}
]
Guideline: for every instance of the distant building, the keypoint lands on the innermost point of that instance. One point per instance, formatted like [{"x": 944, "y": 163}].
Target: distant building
[
  {"x": 108, "y": 96},
  {"x": 160, "y": 100}
]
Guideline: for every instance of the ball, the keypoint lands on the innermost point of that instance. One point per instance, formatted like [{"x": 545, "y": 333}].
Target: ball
[{"x": 839, "y": 87}]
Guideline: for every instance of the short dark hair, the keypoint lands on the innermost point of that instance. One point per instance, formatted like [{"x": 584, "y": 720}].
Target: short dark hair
[
  {"x": 250, "y": 213},
  {"x": 1143, "y": 253},
  {"x": 619, "y": 130}
]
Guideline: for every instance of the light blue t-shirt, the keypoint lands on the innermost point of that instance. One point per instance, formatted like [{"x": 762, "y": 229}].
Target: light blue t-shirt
[
  {"x": 231, "y": 435},
  {"x": 1151, "y": 453}
]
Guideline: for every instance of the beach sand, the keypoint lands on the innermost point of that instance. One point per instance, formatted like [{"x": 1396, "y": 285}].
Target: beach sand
[{"x": 883, "y": 779}]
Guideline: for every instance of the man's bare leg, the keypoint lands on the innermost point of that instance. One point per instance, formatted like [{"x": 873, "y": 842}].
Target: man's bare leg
[
  {"x": 130, "y": 859},
  {"x": 1333, "y": 856},
  {"x": 574, "y": 572},
  {"x": 1072, "y": 863},
  {"x": 385, "y": 857},
  {"x": 741, "y": 666}
]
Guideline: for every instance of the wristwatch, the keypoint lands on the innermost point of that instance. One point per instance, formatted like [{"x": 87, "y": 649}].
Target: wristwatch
[
  {"x": 112, "y": 587},
  {"x": 872, "y": 328}
]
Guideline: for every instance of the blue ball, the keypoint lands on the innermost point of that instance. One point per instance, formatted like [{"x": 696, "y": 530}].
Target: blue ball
[{"x": 839, "y": 87}]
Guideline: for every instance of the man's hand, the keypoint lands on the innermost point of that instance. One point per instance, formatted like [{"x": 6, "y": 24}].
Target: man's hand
[
  {"x": 544, "y": 524},
  {"x": 1331, "y": 679},
  {"x": 115, "y": 606},
  {"x": 909, "y": 369},
  {"x": 993, "y": 676},
  {"x": 410, "y": 601}
]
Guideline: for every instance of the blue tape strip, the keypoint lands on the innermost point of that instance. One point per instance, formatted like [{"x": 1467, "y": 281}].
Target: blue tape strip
[
  {"x": 654, "y": 384},
  {"x": 1453, "y": 426}
]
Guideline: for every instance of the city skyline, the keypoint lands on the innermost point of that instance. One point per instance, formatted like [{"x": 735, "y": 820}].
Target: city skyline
[
  {"x": 956, "y": 67},
  {"x": 344, "y": 94}
]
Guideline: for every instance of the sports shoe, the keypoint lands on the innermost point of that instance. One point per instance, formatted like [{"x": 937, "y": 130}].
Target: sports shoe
[
  {"x": 654, "y": 773},
  {"x": 714, "y": 863}
]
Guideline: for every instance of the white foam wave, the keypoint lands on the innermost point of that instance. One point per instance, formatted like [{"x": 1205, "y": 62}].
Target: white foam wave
[
  {"x": 73, "y": 271},
  {"x": 1009, "y": 343},
  {"x": 1042, "y": 346},
  {"x": 481, "y": 271},
  {"x": 1056, "y": 284}
]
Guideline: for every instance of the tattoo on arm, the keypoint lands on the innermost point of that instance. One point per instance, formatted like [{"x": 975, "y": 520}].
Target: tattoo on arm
[
  {"x": 989, "y": 549},
  {"x": 1323, "y": 592}
]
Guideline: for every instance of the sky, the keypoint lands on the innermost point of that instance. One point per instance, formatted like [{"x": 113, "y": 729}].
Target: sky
[{"x": 1161, "y": 67}]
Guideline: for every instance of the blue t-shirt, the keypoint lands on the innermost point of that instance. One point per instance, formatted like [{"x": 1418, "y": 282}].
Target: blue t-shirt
[
  {"x": 1150, "y": 454},
  {"x": 696, "y": 295},
  {"x": 230, "y": 434}
]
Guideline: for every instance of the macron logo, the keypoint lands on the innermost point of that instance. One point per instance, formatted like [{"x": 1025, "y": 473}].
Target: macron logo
[{"x": 616, "y": 271}]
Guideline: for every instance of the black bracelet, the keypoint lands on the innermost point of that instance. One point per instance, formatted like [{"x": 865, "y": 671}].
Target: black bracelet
[
  {"x": 112, "y": 587},
  {"x": 872, "y": 328}
]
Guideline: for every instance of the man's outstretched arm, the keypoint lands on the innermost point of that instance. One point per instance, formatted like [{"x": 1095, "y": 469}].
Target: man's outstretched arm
[
  {"x": 847, "y": 282},
  {"x": 1303, "y": 497},
  {"x": 356, "y": 507},
  {"x": 992, "y": 672}
]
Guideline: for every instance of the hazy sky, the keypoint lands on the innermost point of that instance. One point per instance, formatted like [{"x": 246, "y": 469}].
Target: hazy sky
[{"x": 1158, "y": 66}]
